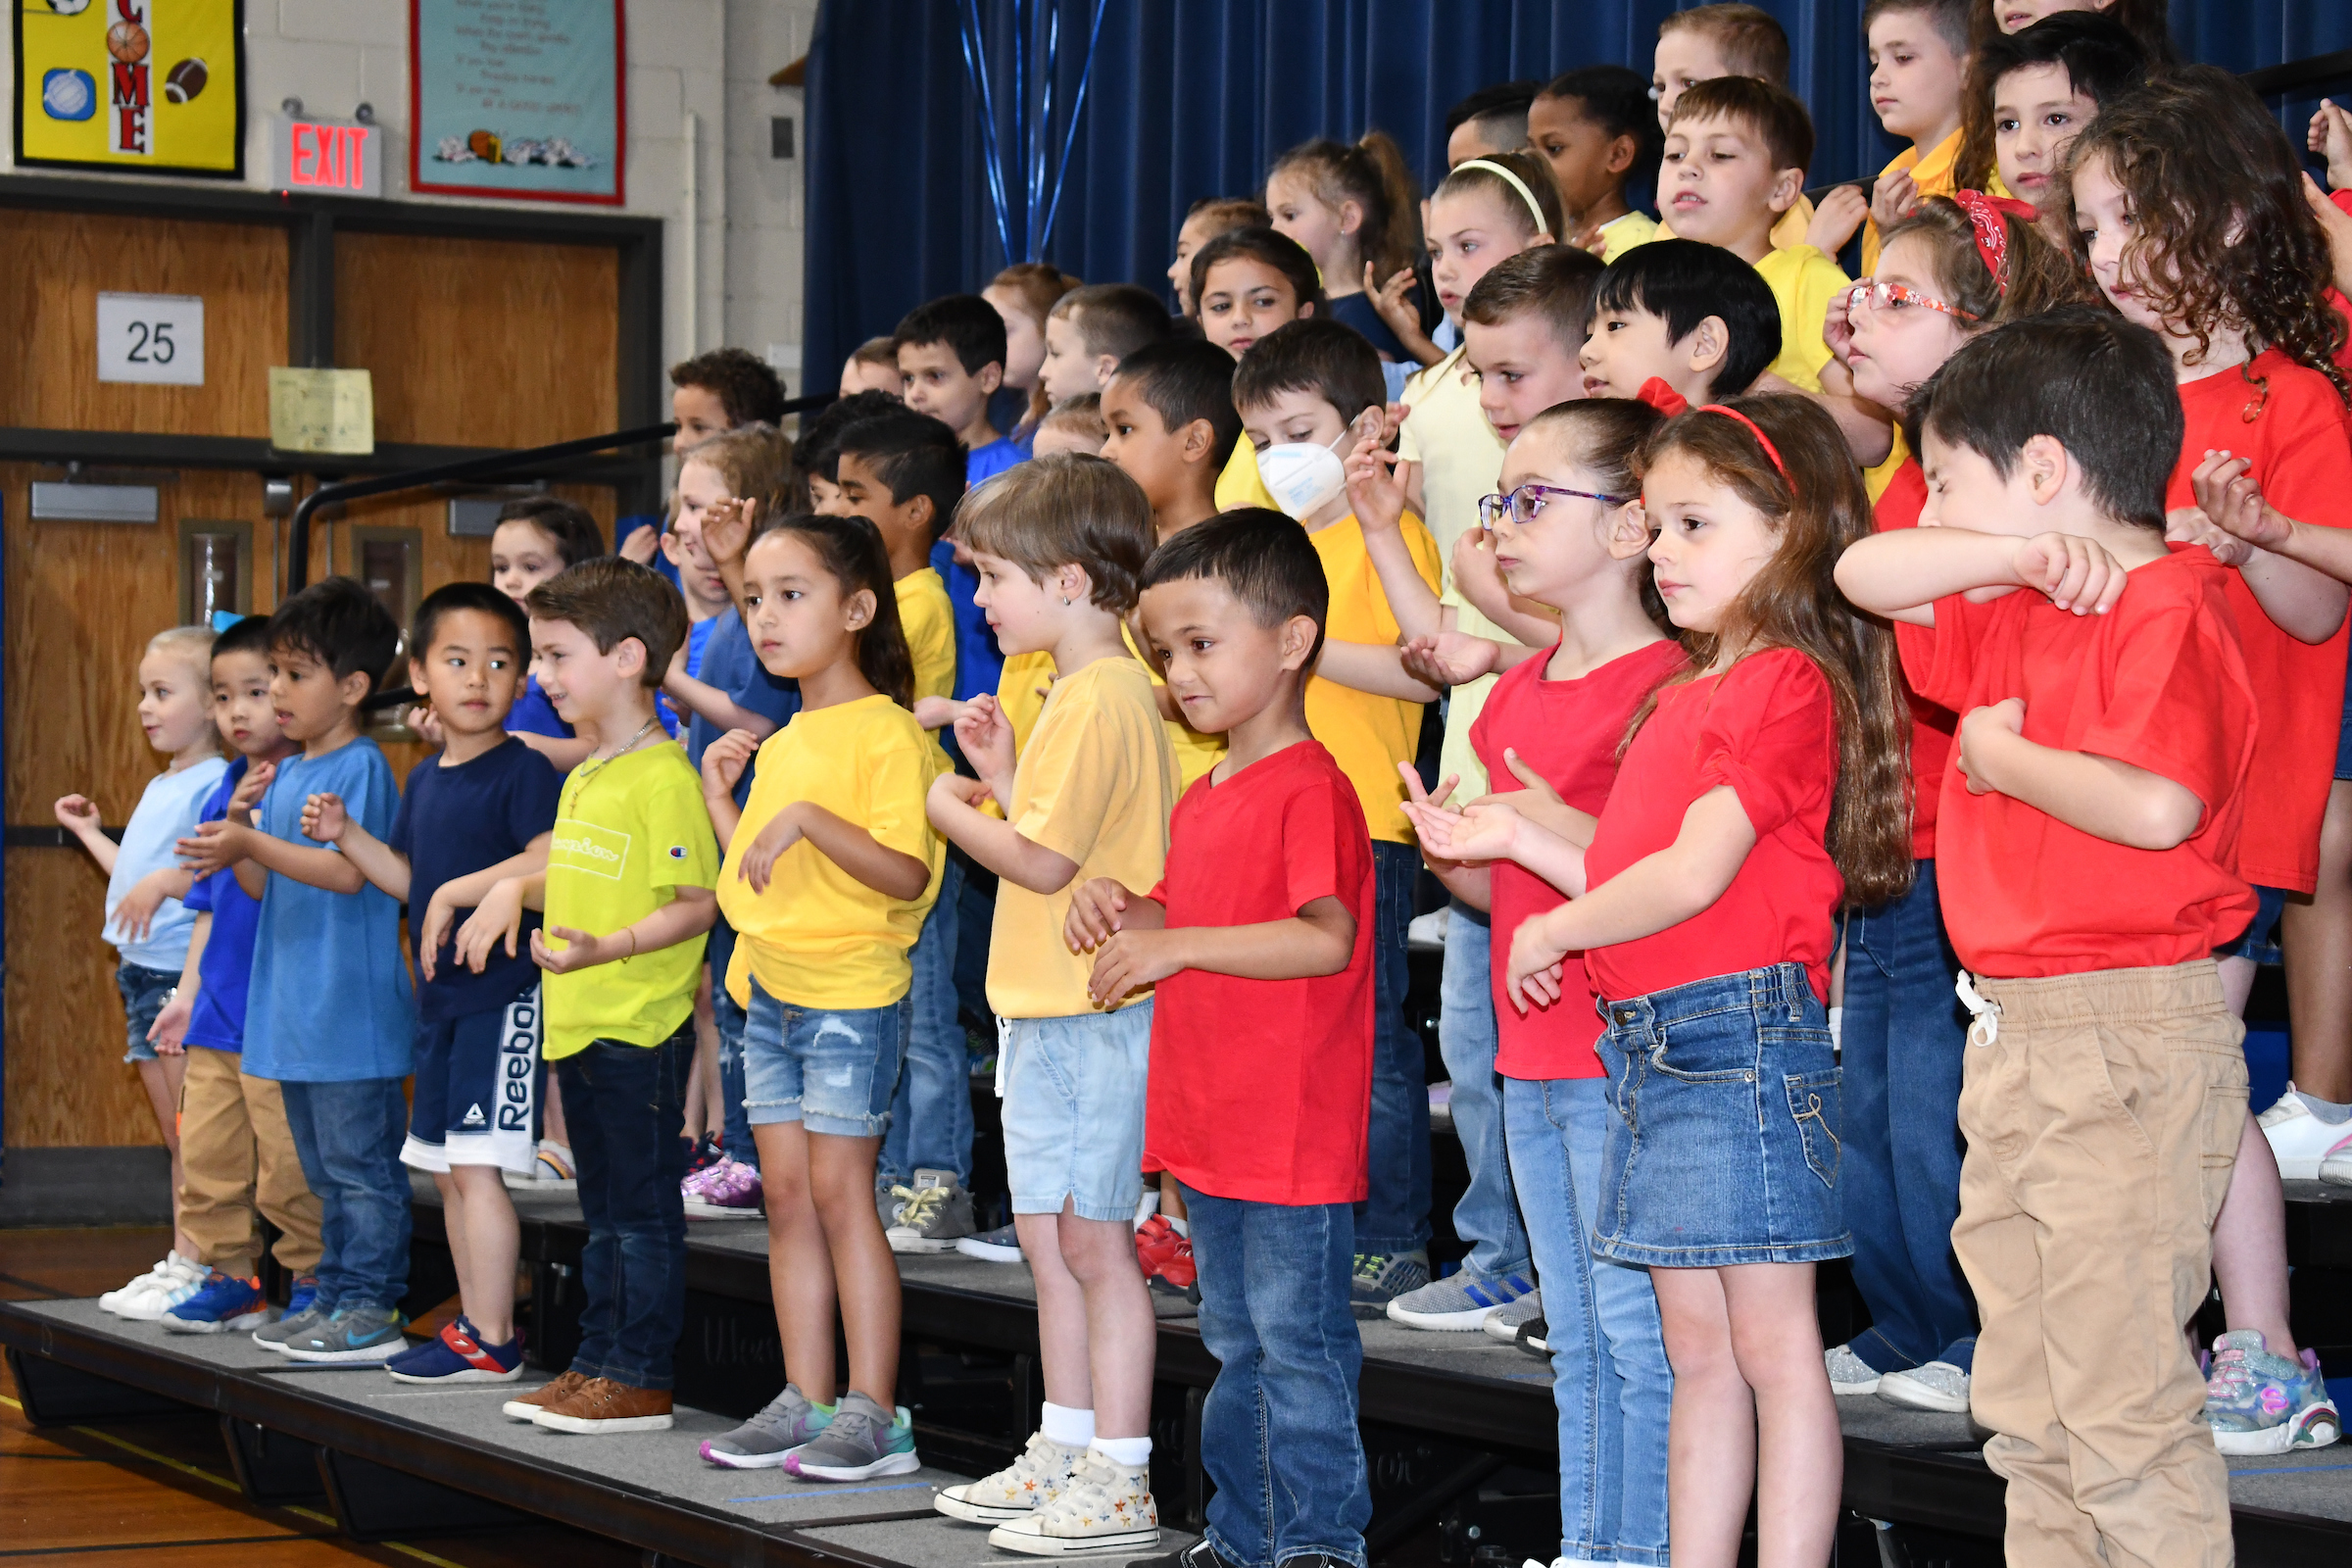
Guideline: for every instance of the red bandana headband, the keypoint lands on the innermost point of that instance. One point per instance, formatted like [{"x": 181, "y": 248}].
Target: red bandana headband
[{"x": 1993, "y": 235}]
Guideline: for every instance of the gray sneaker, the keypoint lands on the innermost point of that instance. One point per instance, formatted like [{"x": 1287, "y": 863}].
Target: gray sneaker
[
  {"x": 273, "y": 1335},
  {"x": 999, "y": 1245},
  {"x": 355, "y": 1334},
  {"x": 761, "y": 1444},
  {"x": 1849, "y": 1374},
  {"x": 934, "y": 1215},
  {"x": 1935, "y": 1386},
  {"x": 886, "y": 1203},
  {"x": 1460, "y": 1301},
  {"x": 863, "y": 1440},
  {"x": 1381, "y": 1277},
  {"x": 1503, "y": 1322}
]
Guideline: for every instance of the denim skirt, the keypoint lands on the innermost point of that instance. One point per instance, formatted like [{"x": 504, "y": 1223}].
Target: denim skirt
[{"x": 1726, "y": 1142}]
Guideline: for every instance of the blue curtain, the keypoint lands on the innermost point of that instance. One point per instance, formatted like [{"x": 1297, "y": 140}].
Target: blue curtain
[{"x": 1192, "y": 98}]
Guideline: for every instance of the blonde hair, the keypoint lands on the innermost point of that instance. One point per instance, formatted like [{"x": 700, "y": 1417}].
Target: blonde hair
[
  {"x": 749, "y": 459},
  {"x": 191, "y": 643}
]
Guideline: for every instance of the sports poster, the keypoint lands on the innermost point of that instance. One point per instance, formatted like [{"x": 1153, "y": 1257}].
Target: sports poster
[
  {"x": 517, "y": 98},
  {"x": 131, "y": 86}
]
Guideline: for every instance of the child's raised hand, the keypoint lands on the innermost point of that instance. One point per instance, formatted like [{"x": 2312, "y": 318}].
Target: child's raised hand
[
  {"x": 1536, "y": 965},
  {"x": 215, "y": 845},
  {"x": 433, "y": 934},
  {"x": 425, "y": 724},
  {"x": 77, "y": 814},
  {"x": 984, "y": 736},
  {"x": 1451, "y": 657},
  {"x": 2231, "y": 498},
  {"x": 1976, "y": 725},
  {"x": 2189, "y": 525},
  {"x": 324, "y": 818},
  {"x": 782, "y": 832},
  {"x": 1130, "y": 961},
  {"x": 1375, "y": 478},
  {"x": 1894, "y": 198},
  {"x": 1094, "y": 911},
  {"x": 728, "y": 529},
  {"x": 495, "y": 921},
  {"x": 724, "y": 763},
  {"x": 581, "y": 951},
  {"x": 1834, "y": 219},
  {"x": 641, "y": 546},
  {"x": 134, "y": 916},
  {"x": 1535, "y": 783},
  {"x": 2331, "y": 138},
  {"x": 168, "y": 1034},
  {"x": 1476, "y": 574},
  {"x": 2076, "y": 574},
  {"x": 1389, "y": 302},
  {"x": 2337, "y": 224}
]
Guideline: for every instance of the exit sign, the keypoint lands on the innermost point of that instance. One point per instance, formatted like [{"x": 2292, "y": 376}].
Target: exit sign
[{"x": 339, "y": 160}]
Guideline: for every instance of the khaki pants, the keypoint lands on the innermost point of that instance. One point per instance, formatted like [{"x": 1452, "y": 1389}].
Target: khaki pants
[
  {"x": 235, "y": 1154},
  {"x": 2102, "y": 1118}
]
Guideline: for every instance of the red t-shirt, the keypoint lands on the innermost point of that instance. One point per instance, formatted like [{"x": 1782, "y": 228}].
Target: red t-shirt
[
  {"x": 1899, "y": 506},
  {"x": 1566, "y": 730},
  {"x": 2157, "y": 682},
  {"x": 2343, "y": 355},
  {"x": 1768, "y": 728},
  {"x": 2295, "y": 439},
  {"x": 1261, "y": 1090}
]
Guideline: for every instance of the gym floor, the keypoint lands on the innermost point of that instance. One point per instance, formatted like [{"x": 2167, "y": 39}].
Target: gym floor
[{"x": 161, "y": 1487}]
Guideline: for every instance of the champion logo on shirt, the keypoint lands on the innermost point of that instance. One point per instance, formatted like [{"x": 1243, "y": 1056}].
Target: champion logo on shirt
[
  {"x": 678, "y": 852},
  {"x": 474, "y": 1116}
]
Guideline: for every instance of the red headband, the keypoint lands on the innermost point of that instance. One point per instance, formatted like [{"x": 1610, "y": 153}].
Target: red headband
[
  {"x": 1762, "y": 440},
  {"x": 1993, "y": 235}
]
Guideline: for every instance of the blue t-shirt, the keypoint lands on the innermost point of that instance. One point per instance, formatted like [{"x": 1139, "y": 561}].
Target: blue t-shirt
[
  {"x": 329, "y": 1001},
  {"x": 985, "y": 462},
  {"x": 226, "y": 967},
  {"x": 533, "y": 714},
  {"x": 979, "y": 662},
  {"x": 165, "y": 814},
  {"x": 452, "y": 822},
  {"x": 730, "y": 665}
]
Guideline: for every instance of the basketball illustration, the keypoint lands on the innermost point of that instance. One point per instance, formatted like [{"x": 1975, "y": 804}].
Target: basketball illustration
[{"x": 126, "y": 42}]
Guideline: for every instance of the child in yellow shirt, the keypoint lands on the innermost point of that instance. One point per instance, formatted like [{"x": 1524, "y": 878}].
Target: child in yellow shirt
[
  {"x": 1736, "y": 158},
  {"x": 1301, "y": 391},
  {"x": 1919, "y": 58},
  {"x": 830, "y": 869},
  {"x": 1060, "y": 543}
]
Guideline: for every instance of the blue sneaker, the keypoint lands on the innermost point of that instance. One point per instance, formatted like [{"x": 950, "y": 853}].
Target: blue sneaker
[
  {"x": 2257, "y": 1403},
  {"x": 459, "y": 1355},
  {"x": 303, "y": 1296},
  {"x": 220, "y": 1305},
  {"x": 1460, "y": 1300}
]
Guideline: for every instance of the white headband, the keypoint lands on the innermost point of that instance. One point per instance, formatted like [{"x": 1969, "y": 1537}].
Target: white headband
[{"x": 1534, "y": 209}]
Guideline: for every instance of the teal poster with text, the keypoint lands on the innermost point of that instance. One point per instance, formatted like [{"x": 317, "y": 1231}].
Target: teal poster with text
[{"x": 517, "y": 98}]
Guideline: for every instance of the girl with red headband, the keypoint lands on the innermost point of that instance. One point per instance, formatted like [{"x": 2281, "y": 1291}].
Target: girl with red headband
[{"x": 1761, "y": 790}]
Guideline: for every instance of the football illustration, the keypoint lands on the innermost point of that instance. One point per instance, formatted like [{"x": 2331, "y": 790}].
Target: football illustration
[
  {"x": 126, "y": 42},
  {"x": 185, "y": 80}
]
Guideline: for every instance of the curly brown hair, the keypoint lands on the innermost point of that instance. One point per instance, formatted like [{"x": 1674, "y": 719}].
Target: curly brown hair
[
  {"x": 1818, "y": 508},
  {"x": 2221, "y": 237}
]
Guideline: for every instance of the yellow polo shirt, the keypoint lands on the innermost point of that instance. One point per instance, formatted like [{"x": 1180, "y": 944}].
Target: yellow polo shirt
[
  {"x": 1803, "y": 281},
  {"x": 1365, "y": 734}
]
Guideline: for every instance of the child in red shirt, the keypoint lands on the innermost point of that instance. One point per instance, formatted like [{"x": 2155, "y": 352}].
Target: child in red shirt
[
  {"x": 1760, "y": 790},
  {"x": 1568, "y": 533},
  {"x": 1259, "y": 940},
  {"x": 2167, "y": 185},
  {"x": 1955, "y": 267},
  {"x": 2086, "y": 843}
]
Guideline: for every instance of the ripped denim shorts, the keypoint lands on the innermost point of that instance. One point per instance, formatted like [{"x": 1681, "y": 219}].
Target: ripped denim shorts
[{"x": 833, "y": 1072}]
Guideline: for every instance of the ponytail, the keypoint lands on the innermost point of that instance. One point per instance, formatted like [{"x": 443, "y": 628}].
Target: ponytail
[{"x": 1373, "y": 174}]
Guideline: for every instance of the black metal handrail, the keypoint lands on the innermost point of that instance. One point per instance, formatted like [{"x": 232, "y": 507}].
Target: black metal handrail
[{"x": 298, "y": 542}]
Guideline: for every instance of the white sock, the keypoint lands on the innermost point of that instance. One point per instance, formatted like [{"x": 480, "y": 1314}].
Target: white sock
[
  {"x": 1182, "y": 1227},
  {"x": 1072, "y": 1429},
  {"x": 1129, "y": 1453},
  {"x": 1836, "y": 1027}
]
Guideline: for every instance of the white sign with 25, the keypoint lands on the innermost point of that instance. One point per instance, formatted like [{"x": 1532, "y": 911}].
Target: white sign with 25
[{"x": 151, "y": 338}]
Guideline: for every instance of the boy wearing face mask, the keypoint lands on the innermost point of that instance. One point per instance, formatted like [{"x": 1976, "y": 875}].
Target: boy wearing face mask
[{"x": 1300, "y": 390}]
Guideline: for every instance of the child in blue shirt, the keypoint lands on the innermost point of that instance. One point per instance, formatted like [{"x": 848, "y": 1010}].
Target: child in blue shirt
[
  {"x": 328, "y": 1014},
  {"x": 236, "y": 1151},
  {"x": 145, "y": 919},
  {"x": 481, "y": 812}
]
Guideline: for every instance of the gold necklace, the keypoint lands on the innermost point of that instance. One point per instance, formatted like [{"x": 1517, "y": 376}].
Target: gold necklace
[{"x": 595, "y": 764}]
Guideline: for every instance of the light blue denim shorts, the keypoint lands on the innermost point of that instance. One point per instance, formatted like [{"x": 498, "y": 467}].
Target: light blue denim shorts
[
  {"x": 832, "y": 1072},
  {"x": 1074, "y": 1112},
  {"x": 145, "y": 992},
  {"x": 1725, "y": 1148}
]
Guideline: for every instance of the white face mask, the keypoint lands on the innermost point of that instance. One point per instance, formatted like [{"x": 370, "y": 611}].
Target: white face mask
[{"x": 1303, "y": 478}]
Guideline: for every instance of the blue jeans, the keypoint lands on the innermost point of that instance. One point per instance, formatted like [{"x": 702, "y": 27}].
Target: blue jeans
[
  {"x": 1903, "y": 1040},
  {"x": 624, "y": 1105},
  {"x": 348, "y": 1137},
  {"x": 1278, "y": 1434},
  {"x": 732, "y": 1085},
  {"x": 1487, "y": 1218},
  {"x": 1609, "y": 1375},
  {"x": 931, "y": 1116},
  {"x": 145, "y": 992},
  {"x": 1394, "y": 1219}
]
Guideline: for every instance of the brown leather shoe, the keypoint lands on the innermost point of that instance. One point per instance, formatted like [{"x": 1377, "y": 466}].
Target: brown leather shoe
[
  {"x": 526, "y": 1406},
  {"x": 600, "y": 1404}
]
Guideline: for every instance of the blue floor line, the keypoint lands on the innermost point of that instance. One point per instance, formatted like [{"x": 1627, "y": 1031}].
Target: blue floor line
[
  {"x": 2293, "y": 1470},
  {"x": 835, "y": 1491}
]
